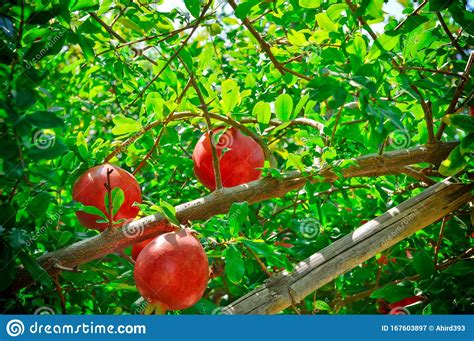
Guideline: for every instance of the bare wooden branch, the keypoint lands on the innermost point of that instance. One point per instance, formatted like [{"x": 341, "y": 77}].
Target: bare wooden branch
[
  {"x": 344, "y": 254},
  {"x": 220, "y": 202}
]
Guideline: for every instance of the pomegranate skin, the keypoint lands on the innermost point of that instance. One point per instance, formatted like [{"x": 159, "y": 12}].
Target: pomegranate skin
[
  {"x": 242, "y": 156},
  {"x": 172, "y": 270},
  {"x": 138, "y": 247},
  {"x": 89, "y": 189}
]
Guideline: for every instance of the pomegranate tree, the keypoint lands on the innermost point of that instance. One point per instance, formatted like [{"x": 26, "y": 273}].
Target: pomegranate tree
[
  {"x": 90, "y": 190},
  {"x": 239, "y": 158},
  {"x": 172, "y": 271}
]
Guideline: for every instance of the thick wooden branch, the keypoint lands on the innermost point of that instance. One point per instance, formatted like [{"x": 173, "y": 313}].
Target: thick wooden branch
[
  {"x": 285, "y": 289},
  {"x": 220, "y": 202}
]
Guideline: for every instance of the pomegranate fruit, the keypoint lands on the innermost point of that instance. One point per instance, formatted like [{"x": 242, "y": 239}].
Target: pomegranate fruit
[
  {"x": 89, "y": 189},
  {"x": 172, "y": 271},
  {"x": 138, "y": 247},
  {"x": 239, "y": 158}
]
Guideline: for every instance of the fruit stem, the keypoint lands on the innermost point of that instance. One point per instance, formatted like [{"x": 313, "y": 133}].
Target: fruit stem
[{"x": 109, "y": 196}]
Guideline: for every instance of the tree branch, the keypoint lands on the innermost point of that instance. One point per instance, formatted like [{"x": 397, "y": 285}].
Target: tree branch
[
  {"x": 353, "y": 249},
  {"x": 220, "y": 202},
  {"x": 449, "y": 34}
]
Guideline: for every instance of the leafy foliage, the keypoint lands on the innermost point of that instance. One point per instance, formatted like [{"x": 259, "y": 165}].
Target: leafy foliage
[{"x": 80, "y": 78}]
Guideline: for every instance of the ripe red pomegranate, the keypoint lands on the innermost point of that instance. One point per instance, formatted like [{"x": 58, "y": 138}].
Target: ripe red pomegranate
[
  {"x": 172, "y": 271},
  {"x": 89, "y": 189},
  {"x": 138, "y": 247},
  {"x": 239, "y": 156},
  {"x": 407, "y": 302}
]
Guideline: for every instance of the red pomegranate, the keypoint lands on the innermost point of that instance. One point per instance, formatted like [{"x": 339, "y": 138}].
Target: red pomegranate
[
  {"x": 172, "y": 271},
  {"x": 89, "y": 189},
  {"x": 239, "y": 156},
  {"x": 138, "y": 247}
]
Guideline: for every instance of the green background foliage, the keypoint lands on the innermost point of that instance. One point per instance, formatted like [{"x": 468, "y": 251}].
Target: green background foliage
[{"x": 80, "y": 77}]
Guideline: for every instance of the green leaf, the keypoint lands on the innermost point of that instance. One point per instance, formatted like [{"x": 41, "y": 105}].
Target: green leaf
[
  {"x": 243, "y": 9},
  {"x": 439, "y": 5},
  {"x": 7, "y": 215},
  {"x": 169, "y": 212},
  {"x": 237, "y": 215},
  {"x": 467, "y": 144},
  {"x": 125, "y": 125},
  {"x": 234, "y": 264},
  {"x": 393, "y": 293},
  {"x": 263, "y": 112},
  {"x": 89, "y": 5},
  {"x": 154, "y": 105},
  {"x": 39, "y": 205},
  {"x": 230, "y": 95},
  {"x": 423, "y": 264},
  {"x": 325, "y": 23},
  {"x": 193, "y": 7},
  {"x": 81, "y": 145},
  {"x": 321, "y": 305},
  {"x": 301, "y": 104},
  {"x": 45, "y": 119},
  {"x": 118, "y": 197},
  {"x": 284, "y": 107},
  {"x": 93, "y": 210},
  {"x": 461, "y": 268},
  {"x": 86, "y": 47},
  {"x": 7, "y": 266},
  {"x": 453, "y": 164},
  {"x": 297, "y": 38},
  {"x": 463, "y": 122},
  {"x": 357, "y": 47},
  {"x": 309, "y": 3},
  {"x": 36, "y": 271}
]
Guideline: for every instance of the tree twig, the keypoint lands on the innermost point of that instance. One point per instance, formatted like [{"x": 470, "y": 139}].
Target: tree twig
[
  {"x": 415, "y": 12},
  {"x": 210, "y": 131},
  {"x": 428, "y": 115},
  {"x": 450, "y": 35},
  {"x": 452, "y": 106},
  {"x": 59, "y": 290},
  {"x": 174, "y": 55},
  {"x": 108, "y": 187},
  {"x": 266, "y": 47},
  {"x": 438, "y": 243}
]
